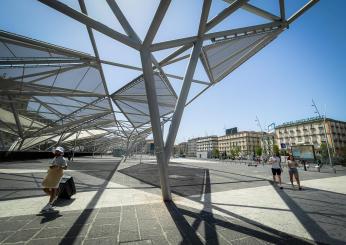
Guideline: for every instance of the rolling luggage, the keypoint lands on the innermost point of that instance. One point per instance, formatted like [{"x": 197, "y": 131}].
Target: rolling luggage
[{"x": 67, "y": 187}]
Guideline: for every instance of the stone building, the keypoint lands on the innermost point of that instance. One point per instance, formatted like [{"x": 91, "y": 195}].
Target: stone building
[
  {"x": 205, "y": 146},
  {"x": 312, "y": 131},
  {"x": 245, "y": 141}
]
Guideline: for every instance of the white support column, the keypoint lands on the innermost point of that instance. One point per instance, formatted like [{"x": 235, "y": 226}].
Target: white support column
[
  {"x": 155, "y": 123},
  {"x": 148, "y": 73}
]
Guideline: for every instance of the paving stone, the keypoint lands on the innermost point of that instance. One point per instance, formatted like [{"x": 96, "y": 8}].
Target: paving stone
[
  {"x": 217, "y": 241},
  {"x": 128, "y": 209},
  {"x": 4, "y": 235},
  {"x": 128, "y": 235},
  {"x": 11, "y": 225},
  {"x": 110, "y": 209},
  {"x": 176, "y": 238},
  {"x": 19, "y": 243},
  {"x": 247, "y": 241},
  {"x": 24, "y": 218},
  {"x": 169, "y": 226},
  {"x": 146, "y": 216},
  {"x": 52, "y": 232},
  {"x": 140, "y": 242},
  {"x": 108, "y": 215},
  {"x": 21, "y": 236},
  {"x": 35, "y": 224},
  {"x": 77, "y": 230},
  {"x": 106, "y": 221},
  {"x": 3, "y": 219},
  {"x": 67, "y": 222},
  {"x": 129, "y": 223},
  {"x": 231, "y": 235},
  {"x": 149, "y": 226},
  {"x": 56, "y": 241},
  {"x": 151, "y": 232},
  {"x": 158, "y": 240},
  {"x": 85, "y": 219},
  {"x": 101, "y": 241},
  {"x": 206, "y": 231},
  {"x": 103, "y": 231}
]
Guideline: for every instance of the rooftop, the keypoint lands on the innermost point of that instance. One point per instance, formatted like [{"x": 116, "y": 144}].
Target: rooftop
[{"x": 305, "y": 121}]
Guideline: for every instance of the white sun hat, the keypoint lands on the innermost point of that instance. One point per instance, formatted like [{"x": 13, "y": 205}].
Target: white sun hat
[{"x": 59, "y": 148}]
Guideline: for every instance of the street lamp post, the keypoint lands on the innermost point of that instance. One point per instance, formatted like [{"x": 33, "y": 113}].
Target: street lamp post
[
  {"x": 265, "y": 150},
  {"x": 325, "y": 133}
]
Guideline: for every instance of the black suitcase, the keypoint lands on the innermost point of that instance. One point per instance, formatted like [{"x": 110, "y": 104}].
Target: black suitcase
[{"x": 67, "y": 187}]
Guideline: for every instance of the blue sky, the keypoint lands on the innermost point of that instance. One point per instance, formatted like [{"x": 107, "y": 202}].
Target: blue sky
[{"x": 305, "y": 62}]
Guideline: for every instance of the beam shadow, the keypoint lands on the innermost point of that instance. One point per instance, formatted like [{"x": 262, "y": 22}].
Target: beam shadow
[
  {"x": 316, "y": 232},
  {"x": 78, "y": 225}
]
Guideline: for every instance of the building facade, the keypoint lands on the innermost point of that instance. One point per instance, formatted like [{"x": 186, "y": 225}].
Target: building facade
[
  {"x": 182, "y": 147},
  {"x": 192, "y": 147},
  {"x": 267, "y": 143},
  {"x": 312, "y": 131},
  {"x": 149, "y": 147},
  {"x": 245, "y": 142},
  {"x": 205, "y": 146}
]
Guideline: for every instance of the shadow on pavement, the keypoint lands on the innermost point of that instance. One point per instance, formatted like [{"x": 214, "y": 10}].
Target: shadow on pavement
[
  {"x": 63, "y": 202},
  {"x": 187, "y": 182},
  {"x": 312, "y": 225},
  {"x": 46, "y": 217},
  {"x": 77, "y": 227}
]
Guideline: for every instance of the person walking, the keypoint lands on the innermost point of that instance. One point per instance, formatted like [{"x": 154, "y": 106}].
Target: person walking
[
  {"x": 275, "y": 161},
  {"x": 292, "y": 170},
  {"x": 51, "y": 182}
]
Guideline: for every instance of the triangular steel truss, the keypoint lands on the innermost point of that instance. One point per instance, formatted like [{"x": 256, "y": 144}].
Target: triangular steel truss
[{"x": 53, "y": 95}]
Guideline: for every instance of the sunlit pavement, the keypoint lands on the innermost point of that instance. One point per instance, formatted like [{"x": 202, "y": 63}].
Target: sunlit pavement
[{"x": 214, "y": 203}]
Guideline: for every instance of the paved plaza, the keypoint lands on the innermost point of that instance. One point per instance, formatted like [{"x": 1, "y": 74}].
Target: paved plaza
[{"x": 214, "y": 203}]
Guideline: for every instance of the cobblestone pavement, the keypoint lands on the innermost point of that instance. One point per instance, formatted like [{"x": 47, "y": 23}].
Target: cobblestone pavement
[{"x": 214, "y": 203}]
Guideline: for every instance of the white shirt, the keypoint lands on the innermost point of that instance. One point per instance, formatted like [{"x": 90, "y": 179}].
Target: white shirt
[{"x": 275, "y": 162}]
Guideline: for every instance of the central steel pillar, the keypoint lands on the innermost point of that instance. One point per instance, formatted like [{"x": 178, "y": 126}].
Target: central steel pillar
[{"x": 155, "y": 123}]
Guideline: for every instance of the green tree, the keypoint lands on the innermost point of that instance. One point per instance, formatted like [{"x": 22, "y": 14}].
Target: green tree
[
  {"x": 343, "y": 155},
  {"x": 234, "y": 152},
  {"x": 276, "y": 150},
  {"x": 259, "y": 151},
  {"x": 324, "y": 152},
  {"x": 215, "y": 153},
  {"x": 343, "y": 152}
]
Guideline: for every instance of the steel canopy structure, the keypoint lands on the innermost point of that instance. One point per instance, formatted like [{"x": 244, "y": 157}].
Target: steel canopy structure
[{"x": 53, "y": 95}]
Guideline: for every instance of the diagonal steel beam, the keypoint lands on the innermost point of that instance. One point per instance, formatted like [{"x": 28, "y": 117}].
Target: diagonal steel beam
[
  {"x": 155, "y": 24},
  {"x": 93, "y": 42},
  {"x": 32, "y": 43},
  {"x": 44, "y": 93},
  {"x": 179, "y": 109},
  {"x": 86, "y": 20},
  {"x": 282, "y": 10},
  {"x": 16, "y": 118},
  {"x": 167, "y": 74},
  {"x": 302, "y": 11},
  {"x": 149, "y": 81},
  {"x": 258, "y": 11},
  {"x": 216, "y": 20},
  {"x": 225, "y": 13},
  {"x": 40, "y": 61}
]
